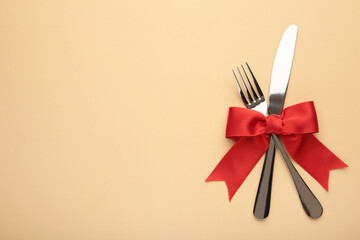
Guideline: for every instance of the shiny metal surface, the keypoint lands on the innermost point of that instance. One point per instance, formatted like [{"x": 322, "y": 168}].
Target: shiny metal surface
[
  {"x": 263, "y": 195},
  {"x": 258, "y": 103},
  {"x": 281, "y": 70}
]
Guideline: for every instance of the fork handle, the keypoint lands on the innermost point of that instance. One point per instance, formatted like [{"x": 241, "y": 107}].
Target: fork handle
[
  {"x": 310, "y": 203},
  {"x": 263, "y": 196}
]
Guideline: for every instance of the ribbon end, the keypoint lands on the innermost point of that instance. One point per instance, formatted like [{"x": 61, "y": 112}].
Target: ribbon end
[
  {"x": 238, "y": 162},
  {"x": 317, "y": 162},
  {"x": 325, "y": 183},
  {"x": 340, "y": 164},
  {"x": 211, "y": 178},
  {"x": 326, "y": 187},
  {"x": 231, "y": 190}
]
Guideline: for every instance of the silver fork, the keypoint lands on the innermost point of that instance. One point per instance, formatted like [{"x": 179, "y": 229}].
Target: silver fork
[{"x": 256, "y": 101}]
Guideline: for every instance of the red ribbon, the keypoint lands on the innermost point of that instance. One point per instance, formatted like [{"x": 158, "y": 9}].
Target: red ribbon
[{"x": 295, "y": 124}]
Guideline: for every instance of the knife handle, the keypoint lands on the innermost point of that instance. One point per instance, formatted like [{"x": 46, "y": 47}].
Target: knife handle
[
  {"x": 310, "y": 203},
  {"x": 263, "y": 196}
]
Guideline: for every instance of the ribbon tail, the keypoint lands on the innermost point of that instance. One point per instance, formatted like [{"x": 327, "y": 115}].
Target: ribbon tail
[
  {"x": 239, "y": 161},
  {"x": 313, "y": 156}
]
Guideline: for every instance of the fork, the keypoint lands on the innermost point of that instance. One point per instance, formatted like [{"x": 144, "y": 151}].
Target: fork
[{"x": 256, "y": 101}]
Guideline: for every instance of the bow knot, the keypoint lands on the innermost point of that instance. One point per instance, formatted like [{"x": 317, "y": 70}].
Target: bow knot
[{"x": 273, "y": 124}]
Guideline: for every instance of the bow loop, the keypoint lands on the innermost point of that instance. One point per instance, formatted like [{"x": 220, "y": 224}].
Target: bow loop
[
  {"x": 299, "y": 119},
  {"x": 243, "y": 122}
]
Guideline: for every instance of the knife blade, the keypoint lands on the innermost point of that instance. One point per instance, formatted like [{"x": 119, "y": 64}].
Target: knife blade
[{"x": 280, "y": 74}]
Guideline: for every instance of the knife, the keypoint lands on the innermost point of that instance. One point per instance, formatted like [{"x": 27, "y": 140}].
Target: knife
[{"x": 278, "y": 87}]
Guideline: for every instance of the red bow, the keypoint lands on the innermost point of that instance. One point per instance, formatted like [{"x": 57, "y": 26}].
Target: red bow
[{"x": 251, "y": 129}]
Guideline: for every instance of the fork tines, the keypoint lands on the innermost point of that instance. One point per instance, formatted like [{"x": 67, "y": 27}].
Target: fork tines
[{"x": 248, "y": 94}]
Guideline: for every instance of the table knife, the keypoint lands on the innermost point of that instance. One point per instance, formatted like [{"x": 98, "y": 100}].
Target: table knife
[{"x": 278, "y": 87}]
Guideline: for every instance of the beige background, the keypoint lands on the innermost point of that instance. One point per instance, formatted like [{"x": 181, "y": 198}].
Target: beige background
[{"x": 112, "y": 114}]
